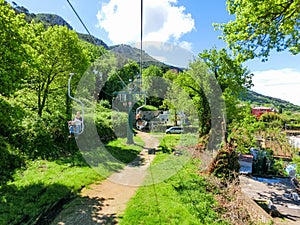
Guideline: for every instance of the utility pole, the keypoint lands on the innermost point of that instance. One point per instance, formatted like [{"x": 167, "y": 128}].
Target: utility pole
[
  {"x": 129, "y": 121},
  {"x": 134, "y": 88}
]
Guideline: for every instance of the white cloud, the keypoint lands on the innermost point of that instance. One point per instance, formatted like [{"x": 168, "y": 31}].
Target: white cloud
[
  {"x": 186, "y": 45},
  {"x": 171, "y": 54},
  {"x": 163, "y": 21},
  {"x": 283, "y": 84}
]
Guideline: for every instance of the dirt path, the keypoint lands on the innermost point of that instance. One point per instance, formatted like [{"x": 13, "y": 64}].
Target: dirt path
[{"x": 102, "y": 203}]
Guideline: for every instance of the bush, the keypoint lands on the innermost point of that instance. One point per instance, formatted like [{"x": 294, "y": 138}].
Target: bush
[
  {"x": 226, "y": 164},
  {"x": 272, "y": 119},
  {"x": 119, "y": 124},
  {"x": 104, "y": 130},
  {"x": 44, "y": 138},
  {"x": 10, "y": 159},
  {"x": 11, "y": 119},
  {"x": 111, "y": 124}
]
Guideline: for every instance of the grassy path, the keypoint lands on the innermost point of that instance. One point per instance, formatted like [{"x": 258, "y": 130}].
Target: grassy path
[{"x": 102, "y": 203}]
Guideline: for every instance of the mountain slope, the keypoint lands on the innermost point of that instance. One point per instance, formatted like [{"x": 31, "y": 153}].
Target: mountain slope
[
  {"x": 134, "y": 54},
  {"x": 92, "y": 40},
  {"x": 257, "y": 99},
  {"x": 51, "y": 19}
]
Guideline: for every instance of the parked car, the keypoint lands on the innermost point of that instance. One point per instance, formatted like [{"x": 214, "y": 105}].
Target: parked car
[{"x": 174, "y": 130}]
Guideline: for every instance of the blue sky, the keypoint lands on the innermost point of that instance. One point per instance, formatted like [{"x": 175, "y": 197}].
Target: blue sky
[{"x": 184, "y": 23}]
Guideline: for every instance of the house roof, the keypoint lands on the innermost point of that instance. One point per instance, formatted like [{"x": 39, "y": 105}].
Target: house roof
[{"x": 262, "y": 107}]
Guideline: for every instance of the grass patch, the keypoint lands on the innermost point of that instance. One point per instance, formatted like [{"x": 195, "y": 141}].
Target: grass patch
[
  {"x": 34, "y": 189},
  {"x": 124, "y": 152},
  {"x": 181, "y": 199},
  {"x": 169, "y": 143},
  {"x": 149, "y": 108},
  {"x": 169, "y": 158}
]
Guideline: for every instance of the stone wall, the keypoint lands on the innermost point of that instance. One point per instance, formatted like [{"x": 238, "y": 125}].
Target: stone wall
[{"x": 257, "y": 214}]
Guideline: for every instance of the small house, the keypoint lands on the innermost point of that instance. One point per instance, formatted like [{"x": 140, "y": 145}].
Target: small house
[{"x": 258, "y": 111}]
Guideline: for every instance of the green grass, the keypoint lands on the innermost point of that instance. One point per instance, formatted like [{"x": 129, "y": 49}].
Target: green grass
[
  {"x": 165, "y": 163},
  {"x": 181, "y": 199},
  {"x": 177, "y": 194},
  {"x": 39, "y": 186},
  {"x": 168, "y": 143},
  {"x": 149, "y": 108},
  {"x": 42, "y": 183},
  {"x": 123, "y": 152}
]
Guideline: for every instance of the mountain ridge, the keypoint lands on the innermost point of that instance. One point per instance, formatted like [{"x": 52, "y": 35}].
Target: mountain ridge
[{"x": 258, "y": 99}]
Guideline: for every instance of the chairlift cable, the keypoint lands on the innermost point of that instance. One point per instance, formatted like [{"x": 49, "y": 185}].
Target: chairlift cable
[
  {"x": 140, "y": 77},
  {"x": 141, "y": 50},
  {"x": 88, "y": 32},
  {"x": 82, "y": 22}
]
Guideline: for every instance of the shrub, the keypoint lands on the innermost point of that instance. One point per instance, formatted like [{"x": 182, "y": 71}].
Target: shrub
[
  {"x": 10, "y": 159},
  {"x": 226, "y": 164},
  {"x": 43, "y": 137},
  {"x": 11, "y": 120},
  {"x": 119, "y": 124},
  {"x": 104, "y": 130}
]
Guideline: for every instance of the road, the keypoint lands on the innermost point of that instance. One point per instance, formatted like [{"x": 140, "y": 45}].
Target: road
[{"x": 278, "y": 192}]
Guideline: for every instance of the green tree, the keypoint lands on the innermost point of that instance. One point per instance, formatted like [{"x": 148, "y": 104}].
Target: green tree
[
  {"x": 260, "y": 26},
  {"x": 180, "y": 104},
  {"x": 154, "y": 85},
  {"x": 170, "y": 75},
  {"x": 216, "y": 77},
  {"x": 94, "y": 52},
  {"x": 196, "y": 82},
  {"x": 118, "y": 80},
  {"x": 104, "y": 67},
  {"x": 57, "y": 52},
  {"x": 244, "y": 129},
  {"x": 230, "y": 75},
  {"x": 13, "y": 47},
  {"x": 148, "y": 74}
]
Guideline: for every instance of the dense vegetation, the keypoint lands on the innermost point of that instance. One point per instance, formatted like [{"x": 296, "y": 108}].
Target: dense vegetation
[
  {"x": 36, "y": 155},
  {"x": 261, "y": 26}
]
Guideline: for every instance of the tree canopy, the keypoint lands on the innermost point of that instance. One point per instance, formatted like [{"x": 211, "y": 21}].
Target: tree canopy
[
  {"x": 13, "y": 49},
  {"x": 196, "y": 82},
  {"x": 230, "y": 75},
  {"x": 261, "y": 26},
  {"x": 58, "y": 51}
]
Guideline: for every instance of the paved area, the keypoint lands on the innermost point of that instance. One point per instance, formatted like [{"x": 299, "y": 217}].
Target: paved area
[{"x": 277, "y": 192}]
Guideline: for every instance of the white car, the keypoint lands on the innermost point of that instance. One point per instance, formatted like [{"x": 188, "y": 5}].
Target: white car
[{"x": 174, "y": 130}]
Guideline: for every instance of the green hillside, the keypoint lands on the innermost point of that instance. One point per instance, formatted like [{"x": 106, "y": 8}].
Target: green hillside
[{"x": 257, "y": 99}]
